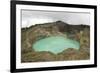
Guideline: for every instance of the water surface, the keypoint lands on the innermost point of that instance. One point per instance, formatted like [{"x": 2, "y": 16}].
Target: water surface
[{"x": 55, "y": 44}]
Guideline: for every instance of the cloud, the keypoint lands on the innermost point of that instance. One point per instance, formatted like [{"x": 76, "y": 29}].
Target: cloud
[{"x": 30, "y": 17}]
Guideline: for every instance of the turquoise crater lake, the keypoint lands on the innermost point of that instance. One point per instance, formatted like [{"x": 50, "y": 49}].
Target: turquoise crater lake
[{"x": 55, "y": 44}]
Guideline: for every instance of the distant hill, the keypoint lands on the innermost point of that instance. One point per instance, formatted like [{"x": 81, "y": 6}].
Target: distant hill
[
  {"x": 55, "y": 28},
  {"x": 62, "y": 26}
]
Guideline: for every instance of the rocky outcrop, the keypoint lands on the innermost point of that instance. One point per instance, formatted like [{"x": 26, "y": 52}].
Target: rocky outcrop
[{"x": 30, "y": 35}]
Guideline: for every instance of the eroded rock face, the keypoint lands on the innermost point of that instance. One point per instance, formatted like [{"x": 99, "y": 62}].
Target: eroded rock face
[
  {"x": 34, "y": 33},
  {"x": 66, "y": 55},
  {"x": 38, "y": 57}
]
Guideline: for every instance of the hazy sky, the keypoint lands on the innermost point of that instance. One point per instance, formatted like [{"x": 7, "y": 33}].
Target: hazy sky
[{"x": 31, "y": 17}]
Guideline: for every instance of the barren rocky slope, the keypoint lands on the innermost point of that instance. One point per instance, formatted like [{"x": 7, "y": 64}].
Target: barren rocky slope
[{"x": 30, "y": 35}]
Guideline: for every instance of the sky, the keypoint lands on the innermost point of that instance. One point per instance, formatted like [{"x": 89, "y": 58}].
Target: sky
[{"x": 32, "y": 17}]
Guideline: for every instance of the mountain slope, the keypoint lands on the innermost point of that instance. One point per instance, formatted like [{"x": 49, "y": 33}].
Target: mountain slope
[{"x": 80, "y": 32}]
